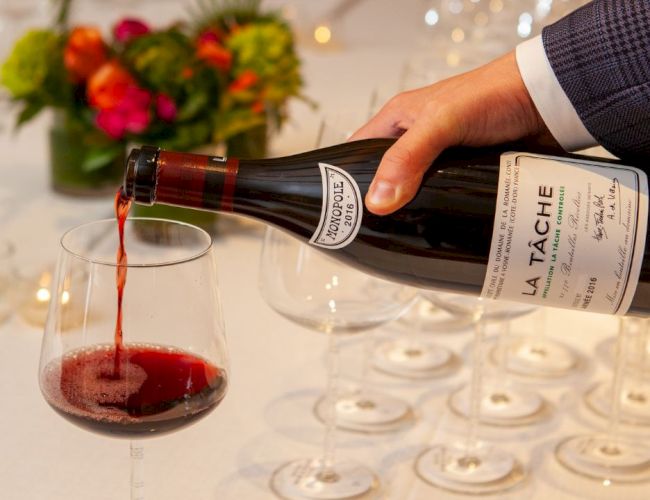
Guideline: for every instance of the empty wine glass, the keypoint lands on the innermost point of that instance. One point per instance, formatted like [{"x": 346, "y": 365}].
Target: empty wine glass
[
  {"x": 381, "y": 410},
  {"x": 610, "y": 457},
  {"x": 502, "y": 402},
  {"x": 473, "y": 466},
  {"x": 306, "y": 286},
  {"x": 170, "y": 367},
  {"x": 633, "y": 406}
]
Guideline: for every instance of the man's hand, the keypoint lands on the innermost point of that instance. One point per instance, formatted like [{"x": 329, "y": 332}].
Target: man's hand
[{"x": 488, "y": 105}]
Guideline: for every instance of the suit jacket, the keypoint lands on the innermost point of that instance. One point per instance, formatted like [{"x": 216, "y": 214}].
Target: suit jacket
[{"x": 600, "y": 54}]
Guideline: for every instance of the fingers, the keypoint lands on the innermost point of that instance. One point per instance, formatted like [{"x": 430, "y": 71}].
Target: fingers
[
  {"x": 386, "y": 123},
  {"x": 379, "y": 125},
  {"x": 399, "y": 175}
]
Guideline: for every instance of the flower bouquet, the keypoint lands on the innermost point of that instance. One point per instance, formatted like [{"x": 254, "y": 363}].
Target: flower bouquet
[{"x": 224, "y": 76}]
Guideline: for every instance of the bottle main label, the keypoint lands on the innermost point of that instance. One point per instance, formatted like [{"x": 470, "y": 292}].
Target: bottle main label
[
  {"x": 567, "y": 233},
  {"x": 342, "y": 209}
]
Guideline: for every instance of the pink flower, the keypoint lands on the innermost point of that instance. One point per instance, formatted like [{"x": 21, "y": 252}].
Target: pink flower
[
  {"x": 131, "y": 114},
  {"x": 111, "y": 122},
  {"x": 129, "y": 28},
  {"x": 136, "y": 97},
  {"x": 165, "y": 108},
  {"x": 209, "y": 35}
]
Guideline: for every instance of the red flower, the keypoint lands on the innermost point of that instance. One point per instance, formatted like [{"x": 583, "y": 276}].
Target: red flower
[
  {"x": 214, "y": 54},
  {"x": 123, "y": 106},
  {"x": 129, "y": 28},
  {"x": 258, "y": 107},
  {"x": 84, "y": 53},
  {"x": 108, "y": 85},
  {"x": 210, "y": 35},
  {"x": 244, "y": 81},
  {"x": 131, "y": 114},
  {"x": 165, "y": 108},
  {"x": 116, "y": 122}
]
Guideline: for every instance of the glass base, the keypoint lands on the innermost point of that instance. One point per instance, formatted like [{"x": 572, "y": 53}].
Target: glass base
[
  {"x": 369, "y": 412},
  {"x": 635, "y": 402},
  {"x": 413, "y": 359},
  {"x": 484, "y": 471},
  {"x": 637, "y": 362},
  {"x": 308, "y": 479},
  {"x": 502, "y": 405},
  {"x": 603, "y": 458},
  {"x": 428, "y": 318},
  {"x": 533, "y": 357}
]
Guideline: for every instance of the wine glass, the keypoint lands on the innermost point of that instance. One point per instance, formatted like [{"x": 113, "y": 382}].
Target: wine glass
[
  {"x": 380, "y": 409},
  {"x": 473, "y": 466},
  {"x": 633, "y": 407},
  {"x": 167, "y": 367},
  {"x": 311, "y": 289},
  {"x": 609, "y": 457},
  {"x": 503, "y": 403}
]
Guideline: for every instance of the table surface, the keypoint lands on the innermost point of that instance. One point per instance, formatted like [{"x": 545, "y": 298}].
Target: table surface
[{"x": 277, "y": 368}]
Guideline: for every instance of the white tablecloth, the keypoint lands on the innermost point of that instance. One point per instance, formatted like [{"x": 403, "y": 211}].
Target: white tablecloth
[{"x": 277, "y": 367}]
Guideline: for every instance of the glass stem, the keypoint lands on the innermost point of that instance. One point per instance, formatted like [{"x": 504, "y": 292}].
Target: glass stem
[
  {"x": 643, "y": 353},
  {"x": 137, "y": 471},
  {"x": 412, "y": 334},
  {"x": 617, "y": 384},
  {"x": 540, "y": 325},
  {"x": 327, "y": 474},
  {"x": 476, "y": 387},
  {"x": 502, "y": 352},
  {"x": 364, "y": 379}
]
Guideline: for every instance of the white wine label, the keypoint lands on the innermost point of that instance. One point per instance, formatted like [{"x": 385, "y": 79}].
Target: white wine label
[
  {"x": 342, "y": 209},
  {"x": 567, "y": 233}
]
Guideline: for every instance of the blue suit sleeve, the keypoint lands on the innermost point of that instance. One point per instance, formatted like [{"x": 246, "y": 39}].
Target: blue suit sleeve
[{"x": 600, "y": 54}]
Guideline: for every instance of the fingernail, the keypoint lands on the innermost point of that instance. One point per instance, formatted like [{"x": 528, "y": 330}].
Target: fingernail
[{"x": 381, "y": 193}]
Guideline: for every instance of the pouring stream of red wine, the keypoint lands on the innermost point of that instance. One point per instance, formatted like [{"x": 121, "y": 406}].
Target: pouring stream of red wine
[{"x": 122, "y": 207}]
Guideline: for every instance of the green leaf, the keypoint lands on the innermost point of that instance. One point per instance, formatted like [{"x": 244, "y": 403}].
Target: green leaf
[
  {"x": 235, "y": 122},
  {"x": 31, "y": 109},
  {"x": 195, "y": 103},
  {"x": 100, "y": 157}
]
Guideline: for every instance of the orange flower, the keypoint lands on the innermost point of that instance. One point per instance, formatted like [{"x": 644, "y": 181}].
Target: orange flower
[
  {"x": 214, "y": 54},
  {"x": 187, "y": 72},
  {"x": 258, "y": 107},
  {"x": 244, "y": 81},
  {"x": 108, "y": 85},
  {"x": 84, "y": 52}
]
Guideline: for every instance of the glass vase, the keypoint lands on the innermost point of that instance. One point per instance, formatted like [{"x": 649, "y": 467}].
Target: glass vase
[{"x": 84, "y": 161}]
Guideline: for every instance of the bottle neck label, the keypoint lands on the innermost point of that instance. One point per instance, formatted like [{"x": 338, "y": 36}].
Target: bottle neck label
[
  {"x": 342, "y": 209},
  {"x": 567, "y": 233}
]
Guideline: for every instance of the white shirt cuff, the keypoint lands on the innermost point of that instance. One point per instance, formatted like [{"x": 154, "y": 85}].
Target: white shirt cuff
[{"x": 551, "y": 102}]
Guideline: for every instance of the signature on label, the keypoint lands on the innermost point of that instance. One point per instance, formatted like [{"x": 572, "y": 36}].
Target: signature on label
[{"x": 599, "y": 232}]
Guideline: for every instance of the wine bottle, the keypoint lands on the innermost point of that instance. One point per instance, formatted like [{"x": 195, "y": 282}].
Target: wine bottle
[{"x": 564, "y": 231}]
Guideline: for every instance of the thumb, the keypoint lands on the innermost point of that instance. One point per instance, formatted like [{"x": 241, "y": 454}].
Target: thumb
[{"x": 400, "y": 172}]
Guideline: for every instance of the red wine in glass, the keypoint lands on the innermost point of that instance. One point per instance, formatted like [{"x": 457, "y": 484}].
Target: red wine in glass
[{"x": 159, "y": 389}]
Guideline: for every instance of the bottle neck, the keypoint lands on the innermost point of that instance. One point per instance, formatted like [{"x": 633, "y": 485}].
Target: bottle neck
[{"x": 183, "y": 179}]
